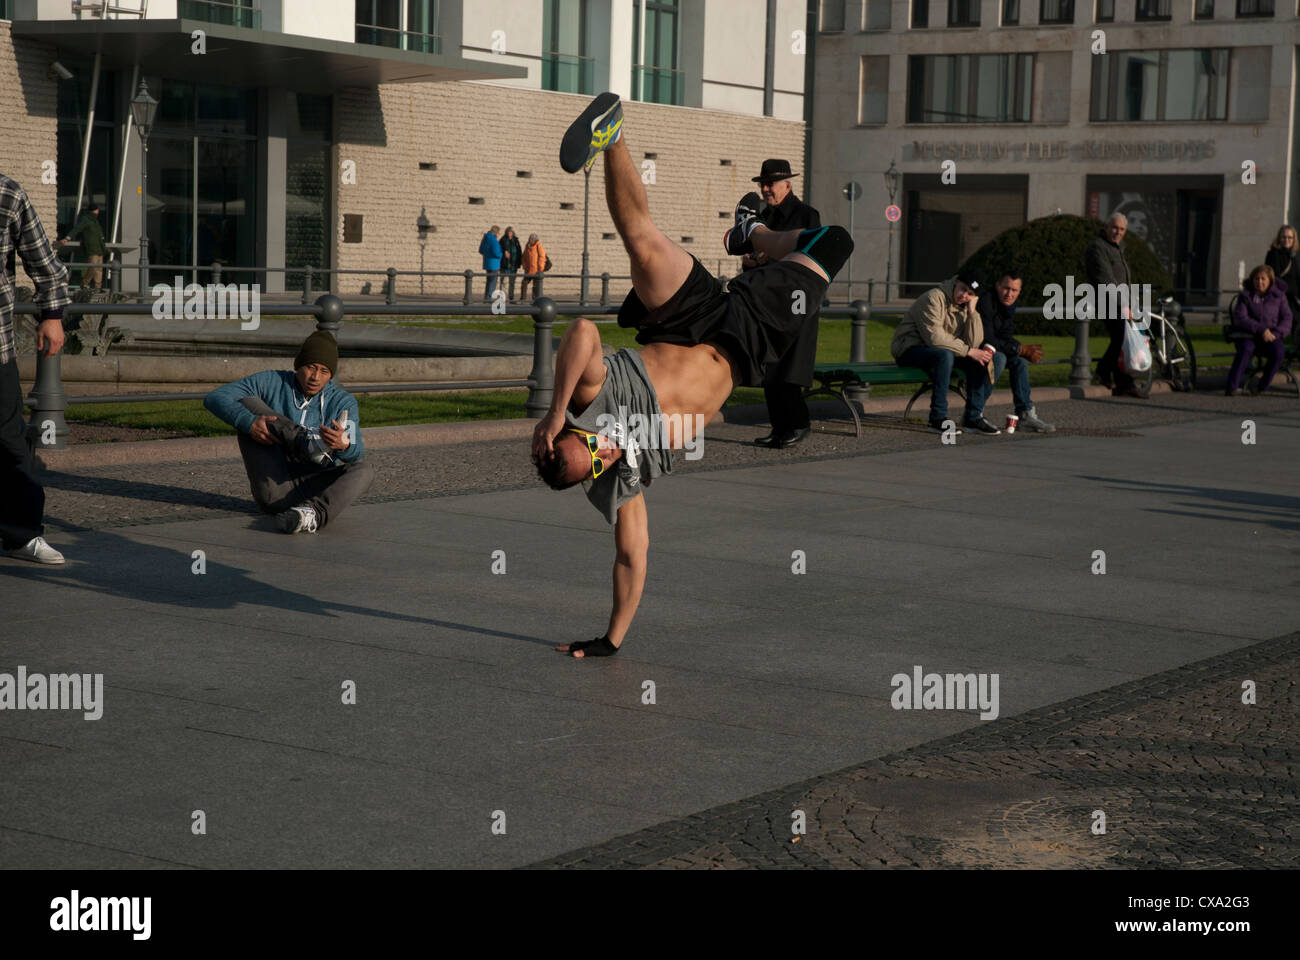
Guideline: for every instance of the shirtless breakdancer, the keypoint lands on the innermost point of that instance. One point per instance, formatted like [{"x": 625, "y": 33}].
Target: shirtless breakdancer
[{"x": 699, "y": 344}]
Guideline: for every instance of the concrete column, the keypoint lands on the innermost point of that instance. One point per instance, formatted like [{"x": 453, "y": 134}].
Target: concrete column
[
  {"x": 621, "y": 19},
  {"x": 272, "y": 197}
]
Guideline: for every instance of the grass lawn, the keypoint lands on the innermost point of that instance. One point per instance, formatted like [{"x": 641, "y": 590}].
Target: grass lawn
[{"x": 391, "y": 409}]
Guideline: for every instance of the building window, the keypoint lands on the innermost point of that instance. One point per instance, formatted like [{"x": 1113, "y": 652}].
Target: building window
[
  {"x": 232, "y": 13},
  {"x": 873, "y": 101},
  {"x": 565, "y": 64},
  {"x": 963, "y": 13},
  {"x": 832, "y": 16},
  {"x": 920, "y": 14},
  {"x": 655, "y": 77},
  {"x": 1106, "y": 11},
  {"x": 970, "y": 88},
  {"x": 1010, "y": 13},
  {"x": 876, "y": 14},
  {"x": 6, "y": 9},
  {"x": 403, "y": 26},
  {"x": 1254, "y": 8},
  {"x": 1204, "y": 10},
  {"x": 1133, "y": 86},
  {"x": 1056, "y": 11},
  {"x": 1154, "y": 9}
]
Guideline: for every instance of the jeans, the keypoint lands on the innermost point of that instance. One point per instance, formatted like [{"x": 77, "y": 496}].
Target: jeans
[
  {"x": 491, "y": 284},
  {"x": 980, "y": 389},
  {"x": 22, "y": 500},
  {"x": 939, "y": 363}
]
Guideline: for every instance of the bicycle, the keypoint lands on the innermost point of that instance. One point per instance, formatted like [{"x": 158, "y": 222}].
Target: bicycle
[{"x": 1173, "y": 358}]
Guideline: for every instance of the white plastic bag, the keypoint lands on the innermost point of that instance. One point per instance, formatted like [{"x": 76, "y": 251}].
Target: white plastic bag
[{"x": 1137, "y": 349}]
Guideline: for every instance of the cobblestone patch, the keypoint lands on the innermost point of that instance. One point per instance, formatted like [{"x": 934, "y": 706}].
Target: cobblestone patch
[{"x": 1187, "y": 775}]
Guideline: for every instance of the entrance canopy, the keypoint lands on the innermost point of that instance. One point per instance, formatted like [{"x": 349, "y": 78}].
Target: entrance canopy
[{"x": 255, "y": 58}]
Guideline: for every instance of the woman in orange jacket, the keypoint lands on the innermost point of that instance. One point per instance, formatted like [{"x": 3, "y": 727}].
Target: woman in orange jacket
[{"x": 534, "y": 264}]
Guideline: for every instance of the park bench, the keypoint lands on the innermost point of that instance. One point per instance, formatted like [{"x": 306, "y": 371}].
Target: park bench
[{"x": 833, "y": 379}]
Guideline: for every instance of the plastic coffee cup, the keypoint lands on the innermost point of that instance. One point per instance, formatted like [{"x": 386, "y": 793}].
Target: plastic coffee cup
[{"x": 1012, "y": 421}]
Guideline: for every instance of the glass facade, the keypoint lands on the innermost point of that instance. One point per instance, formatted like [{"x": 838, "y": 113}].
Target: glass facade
[
  {"x": 655, "y": 77},
  {"x": 307, "y": 186},
  {"x": 970, "y": 88},
  {"x": 389, "y": 23},
  {"x": 1131, "y": 86},
  {"x": 73, "y": 111},
  {"x": 565, "y": 64},
  {"x": 203, "y": 176},
  {"x": 233, "y": 13}
]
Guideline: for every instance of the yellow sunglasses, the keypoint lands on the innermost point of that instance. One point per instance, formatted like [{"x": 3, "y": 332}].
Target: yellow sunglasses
[{"x": 593, "y": 444}]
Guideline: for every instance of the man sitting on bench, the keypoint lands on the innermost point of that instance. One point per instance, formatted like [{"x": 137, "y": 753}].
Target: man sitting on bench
[
  {"x": 701, "y": 343},
  {"x": 941, "y": 328}
]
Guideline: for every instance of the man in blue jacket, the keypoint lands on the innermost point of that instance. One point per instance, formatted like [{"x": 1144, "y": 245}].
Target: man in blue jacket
[
  {"x": 299, "y": 437},
  {"x": 490, "y": 247}
]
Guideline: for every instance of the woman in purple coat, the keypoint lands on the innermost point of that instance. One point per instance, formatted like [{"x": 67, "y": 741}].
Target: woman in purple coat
[{"x": 1264, "y": 319}]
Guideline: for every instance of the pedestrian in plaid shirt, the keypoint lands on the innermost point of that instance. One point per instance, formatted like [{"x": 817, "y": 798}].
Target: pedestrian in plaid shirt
[{"x": 22, "y": 501}]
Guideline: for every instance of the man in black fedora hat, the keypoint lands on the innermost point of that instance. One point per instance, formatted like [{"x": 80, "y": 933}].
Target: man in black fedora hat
[{"x": 783, "y": 386}]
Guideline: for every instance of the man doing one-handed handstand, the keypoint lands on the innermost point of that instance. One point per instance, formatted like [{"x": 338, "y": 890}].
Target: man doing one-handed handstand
[{"x": 700, "y": 343}]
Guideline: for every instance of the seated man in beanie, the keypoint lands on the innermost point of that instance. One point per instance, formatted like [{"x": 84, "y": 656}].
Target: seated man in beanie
[
  {"x": 299, "y": 437},
  {"x": 942, "y": 329}
]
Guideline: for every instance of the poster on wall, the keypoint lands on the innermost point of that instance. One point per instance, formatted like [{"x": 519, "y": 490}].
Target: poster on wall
[{"x": 1150, "y": 213}]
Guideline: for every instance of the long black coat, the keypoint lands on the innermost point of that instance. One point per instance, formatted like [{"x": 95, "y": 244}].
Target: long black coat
[{"x": 796, "y": 366}]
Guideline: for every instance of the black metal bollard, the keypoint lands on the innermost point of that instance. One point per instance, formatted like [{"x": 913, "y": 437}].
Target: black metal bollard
[
  {"x": 306, "y": 286},
  {"x": 115, "y": 273},
  {"x": 216, "y": 271},
  {"x": 1081, "y": 371},
  {"x": 469, "y": 287},
  {"x": 858, "y": 346},
  {"x": 329, "y": 313},
  {"x": 604, "y": 289},
  {"x": 390, "y": 290},
  {"x": 48, "y": 430},
  {"x": 543, "y": 372}
]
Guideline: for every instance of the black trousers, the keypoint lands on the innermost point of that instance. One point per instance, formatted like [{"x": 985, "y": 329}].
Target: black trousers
[
  {"x": 22, "y": 500},
  {"x": 1108, "y": 366},
  {"x": 784, "y": 383}
]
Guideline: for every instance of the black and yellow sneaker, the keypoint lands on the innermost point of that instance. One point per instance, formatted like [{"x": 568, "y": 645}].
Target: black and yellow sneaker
[
  {"x": 598, "y": 128},
  {"x": 736, "y": 240}
]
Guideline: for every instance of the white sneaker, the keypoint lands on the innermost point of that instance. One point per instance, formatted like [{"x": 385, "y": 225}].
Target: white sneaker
[
  {"x": 299, "y": 519},
  {"x": 37, "y": 551}
]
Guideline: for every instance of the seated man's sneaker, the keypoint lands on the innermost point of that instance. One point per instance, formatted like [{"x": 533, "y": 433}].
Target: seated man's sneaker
[
  {"x": 939, "y": 426},
  {"x": 736, "y": 240},
  {"x": 596, "y": 129},
  {"x": 37, "y": 551},
  {"x": 982, "y": 426},
  {"x": 299, "y": 519},
  {"x": 312, "y": 449},
  {"x": 1030, "y": 419}
]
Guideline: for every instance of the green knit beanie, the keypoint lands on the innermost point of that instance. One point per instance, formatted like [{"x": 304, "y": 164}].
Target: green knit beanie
[{"x": 320, "y": 347}]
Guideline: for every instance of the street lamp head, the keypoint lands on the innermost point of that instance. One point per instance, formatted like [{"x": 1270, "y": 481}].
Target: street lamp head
[
  {"x": 892, "y": 177},
  {"x": 143, "y": 110}
]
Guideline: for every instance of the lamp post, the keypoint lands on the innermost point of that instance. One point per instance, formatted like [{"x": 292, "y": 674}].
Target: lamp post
[
  {"x": 892, "y": 177},
  {"x": 852, "y": 192},
  {"x": 586, "y": 264},
  {"x": 422, "y": 226},
  {"x": 143, "y": 110}
]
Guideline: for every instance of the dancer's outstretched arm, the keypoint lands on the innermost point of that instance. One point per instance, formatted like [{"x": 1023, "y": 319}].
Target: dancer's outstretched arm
[{"x": 632, "y": 547}]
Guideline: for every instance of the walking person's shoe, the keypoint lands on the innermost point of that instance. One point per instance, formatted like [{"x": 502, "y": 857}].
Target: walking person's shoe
[
  {"x": 767, "y": 439},
  {"x": 299, "y": 519},
  {"x": 982, "y": 426},
  {"x": 596, "y": 129},
  {"x": 1030, "y": 420},
  {"x": 736, "y": 240},
  {"x": 792, "y": 438},
  {"x": 37, "y": 551}
]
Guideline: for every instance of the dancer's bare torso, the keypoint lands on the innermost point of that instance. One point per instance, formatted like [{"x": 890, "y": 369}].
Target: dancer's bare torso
[{"x": 688, "y": 381}]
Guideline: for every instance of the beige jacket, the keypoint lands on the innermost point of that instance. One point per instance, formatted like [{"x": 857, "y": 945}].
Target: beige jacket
[{"x": 933, "y": 320}]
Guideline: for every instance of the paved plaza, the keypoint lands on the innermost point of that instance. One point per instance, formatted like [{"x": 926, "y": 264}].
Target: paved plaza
[{"x": 1122, "y": 692}]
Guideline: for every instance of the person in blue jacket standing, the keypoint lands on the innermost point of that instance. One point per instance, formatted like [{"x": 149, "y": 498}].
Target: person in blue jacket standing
[
  {"x": 299, "y": 436},
  {"x": 490, "y": 247}
]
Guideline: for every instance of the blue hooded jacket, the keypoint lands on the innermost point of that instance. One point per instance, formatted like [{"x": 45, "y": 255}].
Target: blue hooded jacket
[
  {"x": 278, "y": 389},
  {"x": 491, "y": 250}
]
